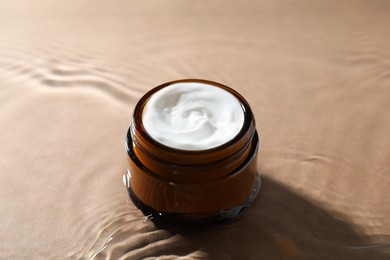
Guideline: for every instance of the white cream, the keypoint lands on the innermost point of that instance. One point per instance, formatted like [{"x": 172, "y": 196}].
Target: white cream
[{"x": 193, "y": 116}]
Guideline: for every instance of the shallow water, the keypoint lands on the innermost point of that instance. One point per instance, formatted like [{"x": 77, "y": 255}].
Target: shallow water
[{"x": 315, "y": 73}]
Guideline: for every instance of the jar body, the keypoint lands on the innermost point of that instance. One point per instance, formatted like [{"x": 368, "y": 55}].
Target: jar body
[{"x": 197, "y": 185}]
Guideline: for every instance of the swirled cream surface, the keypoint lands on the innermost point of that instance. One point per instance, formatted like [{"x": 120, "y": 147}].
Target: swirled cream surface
[{"x": 193, "y": 116}]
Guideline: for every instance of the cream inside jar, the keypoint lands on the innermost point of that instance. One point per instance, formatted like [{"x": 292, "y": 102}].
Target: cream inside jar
[{"x": 193, "y": 116}]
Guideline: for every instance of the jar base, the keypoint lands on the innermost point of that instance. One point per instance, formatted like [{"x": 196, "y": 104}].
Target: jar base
[{"x": 192, "y": 218}]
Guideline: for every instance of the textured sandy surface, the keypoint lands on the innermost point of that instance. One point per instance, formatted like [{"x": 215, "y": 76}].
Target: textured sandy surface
[{"x": 316, "y": 73}]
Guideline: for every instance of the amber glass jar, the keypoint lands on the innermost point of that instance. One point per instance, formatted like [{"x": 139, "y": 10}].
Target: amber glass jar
[{"x": 188, "y": 185}]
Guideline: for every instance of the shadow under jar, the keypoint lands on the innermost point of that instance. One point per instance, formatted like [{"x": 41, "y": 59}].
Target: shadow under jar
[{"x": 192, "y": 185}]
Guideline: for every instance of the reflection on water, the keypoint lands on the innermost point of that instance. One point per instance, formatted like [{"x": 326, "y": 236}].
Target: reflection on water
[{"x": 280, "y": 224}]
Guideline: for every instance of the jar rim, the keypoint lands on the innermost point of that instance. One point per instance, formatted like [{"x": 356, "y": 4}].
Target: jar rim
[{"x": 138, "y": 110}]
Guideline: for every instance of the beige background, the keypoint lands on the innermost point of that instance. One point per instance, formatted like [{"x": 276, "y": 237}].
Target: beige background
[{"x": 316, "y": 73}]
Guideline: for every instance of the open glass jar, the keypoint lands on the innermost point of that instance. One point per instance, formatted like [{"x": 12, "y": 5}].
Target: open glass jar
[{"x": 192, "y": 185}]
